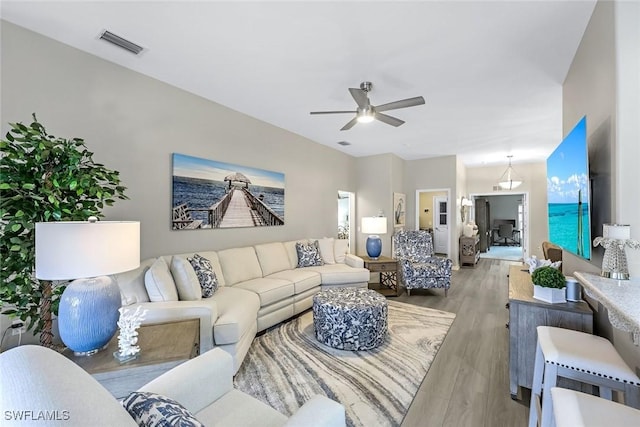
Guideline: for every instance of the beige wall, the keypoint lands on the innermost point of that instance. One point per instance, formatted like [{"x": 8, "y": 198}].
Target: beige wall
[
  {"x": 433, "y": 174},
  {"x": 426, "y": 202},
  {"x": 603, "y": 84},
  {"x": 134, "y": 123}
]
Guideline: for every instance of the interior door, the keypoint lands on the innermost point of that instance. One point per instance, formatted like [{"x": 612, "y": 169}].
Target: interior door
[{"x": 441, "y": 226}]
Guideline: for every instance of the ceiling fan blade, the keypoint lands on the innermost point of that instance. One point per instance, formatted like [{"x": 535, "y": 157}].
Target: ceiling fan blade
[
  {"x": 332, "y": 112},
  {"x": 360, "y": 96},
  {"x": 409, "y": 102},
  {"x": 350, "y": 124},
  {"x": 388, "y": 119}
]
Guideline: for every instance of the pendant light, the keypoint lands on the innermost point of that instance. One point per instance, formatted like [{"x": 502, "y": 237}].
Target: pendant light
[{"x": 509, "y": 179}]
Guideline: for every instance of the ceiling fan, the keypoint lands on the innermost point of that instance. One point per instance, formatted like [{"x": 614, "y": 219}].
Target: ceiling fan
[{"x": 366, "y": 112}]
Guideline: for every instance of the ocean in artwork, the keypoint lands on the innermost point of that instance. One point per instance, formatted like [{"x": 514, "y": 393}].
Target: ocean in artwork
[
  {"x": 563, "y": 226},
  {"x": 200, "y": 193}
]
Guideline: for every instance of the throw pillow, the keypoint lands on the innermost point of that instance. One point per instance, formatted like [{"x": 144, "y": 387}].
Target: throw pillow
[
  {"x": 159, "y": 282},
  {"x": 155, "y": 410},
  {"x": 186, "y": 279},
  {"x": 308, "y": 254},
  {"x": 206, "y": 276},
  {"x": 326, "y": 250}
]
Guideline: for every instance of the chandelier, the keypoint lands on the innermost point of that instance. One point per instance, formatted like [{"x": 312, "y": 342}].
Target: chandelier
[{"x": 509, "y": 179}]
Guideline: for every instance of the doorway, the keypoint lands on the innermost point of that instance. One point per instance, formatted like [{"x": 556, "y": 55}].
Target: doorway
[
  {"x": 346, "y": 217},
  {"x": 433, "y": 214},
  {"x": 495, "y": 214}
]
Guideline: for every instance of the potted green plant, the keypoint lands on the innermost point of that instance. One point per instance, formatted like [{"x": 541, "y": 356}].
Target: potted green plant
[
  {"x": 549, "y": 284},
  {"x": 43, "y": 178}
]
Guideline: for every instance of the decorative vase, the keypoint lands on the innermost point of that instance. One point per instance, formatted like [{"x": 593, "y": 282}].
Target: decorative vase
[{"x": 88, "y": 314}]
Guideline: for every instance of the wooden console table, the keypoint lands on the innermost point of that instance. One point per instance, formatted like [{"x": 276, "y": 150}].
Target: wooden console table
[
  {"x": 162, "y": 346},
  {"x": 525, "y": 314},
  {"x": 388, "y": 268}
]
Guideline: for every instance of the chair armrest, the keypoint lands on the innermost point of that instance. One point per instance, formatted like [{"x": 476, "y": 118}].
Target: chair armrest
[
  {"x": 168, "y": 311},
  {"x": 319, "y": 411},
  {"x": 445, "y": 262},
  {"x": 198, "y": 382},
  {"x": 354, "y": 261}
]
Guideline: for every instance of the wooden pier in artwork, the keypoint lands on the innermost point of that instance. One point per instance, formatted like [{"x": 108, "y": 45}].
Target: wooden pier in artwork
[{"x": 238, "y": 208}]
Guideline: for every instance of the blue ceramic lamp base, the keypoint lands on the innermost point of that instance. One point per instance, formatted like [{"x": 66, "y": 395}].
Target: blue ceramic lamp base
[
  {"x": 374, "y": 246},
  {"x": 88, "y": 314}
]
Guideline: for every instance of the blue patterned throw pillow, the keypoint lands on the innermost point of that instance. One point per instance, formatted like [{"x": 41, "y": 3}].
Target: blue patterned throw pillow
[
  {"x": 155, "y": 410},
  {"x": 309, "y": 254},
  {"x": 206, "y": 276}
]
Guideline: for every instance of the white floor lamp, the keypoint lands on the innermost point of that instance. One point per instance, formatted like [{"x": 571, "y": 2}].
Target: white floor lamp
[{"x": 87, "y": 252}]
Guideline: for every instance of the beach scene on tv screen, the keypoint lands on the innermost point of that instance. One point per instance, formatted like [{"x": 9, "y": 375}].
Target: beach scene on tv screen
[{"x": 568, "y": 193}]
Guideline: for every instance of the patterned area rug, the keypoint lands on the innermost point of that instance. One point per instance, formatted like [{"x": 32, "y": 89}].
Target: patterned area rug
[{"x": 287, "y": 365}]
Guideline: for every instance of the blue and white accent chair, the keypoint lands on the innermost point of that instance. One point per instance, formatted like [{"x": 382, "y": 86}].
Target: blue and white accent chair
[{"x": 419, "y": 268}]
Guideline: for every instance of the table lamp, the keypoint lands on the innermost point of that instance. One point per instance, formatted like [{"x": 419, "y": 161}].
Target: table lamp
[
  {"x": 374, "y": 225},
  {"x": 614, "y": 239},
  {"x": 87, "y": 252}
]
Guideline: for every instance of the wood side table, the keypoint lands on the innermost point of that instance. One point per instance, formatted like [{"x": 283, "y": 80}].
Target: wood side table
[
  {"x": 162, "y": 347},
  {"x": 388, "y": 268}
]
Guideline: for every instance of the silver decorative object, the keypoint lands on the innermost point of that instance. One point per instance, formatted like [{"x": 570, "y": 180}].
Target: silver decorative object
[
  {"x": 128, "y": 338},
  {"x": 615, "y": 239}
]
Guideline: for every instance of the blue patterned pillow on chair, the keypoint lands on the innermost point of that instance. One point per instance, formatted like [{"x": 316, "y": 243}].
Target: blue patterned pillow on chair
[
  {"x": 206, "y": 276},
  {"x": 155, "y": 410},
  {"x": 309, "y": 254}
]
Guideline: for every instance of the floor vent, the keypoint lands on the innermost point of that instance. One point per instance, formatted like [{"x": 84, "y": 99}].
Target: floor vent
[{"x": 121, "y": 42}]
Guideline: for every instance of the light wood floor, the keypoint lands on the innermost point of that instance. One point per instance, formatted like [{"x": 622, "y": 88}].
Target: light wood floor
[{"x": 468, "y": 382}]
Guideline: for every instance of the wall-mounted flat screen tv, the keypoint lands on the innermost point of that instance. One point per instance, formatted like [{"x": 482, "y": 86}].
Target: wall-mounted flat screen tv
[{"x": 568, "y": 193}]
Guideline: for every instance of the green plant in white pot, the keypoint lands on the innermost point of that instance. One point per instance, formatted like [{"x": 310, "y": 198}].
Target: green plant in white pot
[{"x": 549, "y": 284}]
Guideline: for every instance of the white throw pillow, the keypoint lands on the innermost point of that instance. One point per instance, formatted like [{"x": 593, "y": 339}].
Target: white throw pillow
[
  {"x": 341, "y": 247},
  {"x": 186, "y": 279},
  {"x": 326, "y": 250},
  {"x": 159, "y": 282}
]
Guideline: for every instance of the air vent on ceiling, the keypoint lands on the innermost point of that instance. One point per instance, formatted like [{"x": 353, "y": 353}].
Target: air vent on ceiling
[
  {"x": 344, "y": 143},
  {"x": 121, "y": 42}
]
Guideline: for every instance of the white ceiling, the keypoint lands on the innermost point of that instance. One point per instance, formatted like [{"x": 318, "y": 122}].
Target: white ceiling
[{"x": 491, "y": 72}]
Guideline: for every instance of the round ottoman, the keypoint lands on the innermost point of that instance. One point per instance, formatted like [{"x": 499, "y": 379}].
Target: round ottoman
[{"x": 350, "y": 318}]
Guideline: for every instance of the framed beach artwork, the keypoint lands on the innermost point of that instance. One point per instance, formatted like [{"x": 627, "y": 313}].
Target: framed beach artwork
[
  {"x": 399, "y": 209},
  {"x": 213, "y": 194}
]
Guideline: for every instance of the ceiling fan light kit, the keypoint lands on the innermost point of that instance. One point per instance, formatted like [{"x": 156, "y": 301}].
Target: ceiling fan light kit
[{"x": 366, "y": 113}]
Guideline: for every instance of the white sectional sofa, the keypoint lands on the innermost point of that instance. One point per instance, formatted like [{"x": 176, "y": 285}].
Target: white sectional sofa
[{"x": 258, "y": 287}]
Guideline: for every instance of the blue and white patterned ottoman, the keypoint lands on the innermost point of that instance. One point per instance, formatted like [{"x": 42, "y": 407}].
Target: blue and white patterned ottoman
[{"x": 350, "y": 318}]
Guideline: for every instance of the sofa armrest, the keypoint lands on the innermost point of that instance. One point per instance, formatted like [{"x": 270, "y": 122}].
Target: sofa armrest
[
  {"x": 198, "y": 382},
  {"x": 354, "y": 261},
  {"x": 168, "y": 311},
  {"x": 318, "y": 411}
]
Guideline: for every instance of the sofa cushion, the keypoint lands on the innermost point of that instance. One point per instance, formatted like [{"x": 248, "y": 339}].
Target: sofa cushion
[
  {"x": 326, "y": 250},
  {"x": 237, "y": 312},
  {"x": 154, "y": 410},
  {"x": 236, "y": 408},
  {"x": 308, "y": 254},
  {"x": 290, "y": 247},
  {"x": 239, "y": 265},
  {"x": 339, "y": 274},
  {"x": 212, "y": 256},
  {"x": 269, "y": 290},
  {"x": 185, "y": 278},
  {"x": 159, "y": 282},
  {"x": 340, "y": 248},
  {"x": 302, "y": 278},
  {"x": 272, "y": 257},
  {"x": 206, "y": 277}
]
